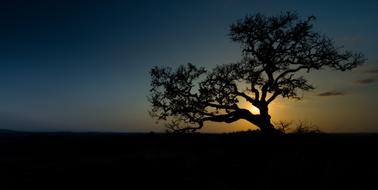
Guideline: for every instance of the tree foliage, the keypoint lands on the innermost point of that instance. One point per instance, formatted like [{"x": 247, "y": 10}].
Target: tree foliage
[{"x": 275, "y": 51}]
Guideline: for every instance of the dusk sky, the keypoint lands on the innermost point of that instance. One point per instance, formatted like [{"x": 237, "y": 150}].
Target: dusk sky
[{"x": 83, "y": 65}]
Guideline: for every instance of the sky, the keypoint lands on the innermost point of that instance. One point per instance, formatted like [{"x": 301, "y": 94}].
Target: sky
[{"x": 83, "y": 65}]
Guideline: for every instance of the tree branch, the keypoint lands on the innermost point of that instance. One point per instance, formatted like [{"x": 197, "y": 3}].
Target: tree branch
[
  {"x": 283, "y": 74},
  {"x": 274, "y": 96}
]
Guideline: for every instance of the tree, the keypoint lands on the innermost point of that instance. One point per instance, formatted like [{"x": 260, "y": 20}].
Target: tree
[{"x": 276, "y": 52}]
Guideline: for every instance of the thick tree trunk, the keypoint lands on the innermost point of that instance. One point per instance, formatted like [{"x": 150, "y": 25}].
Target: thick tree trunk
[
  {"x": 265, "y": 123},
  {"x": 268, "y": 128}
]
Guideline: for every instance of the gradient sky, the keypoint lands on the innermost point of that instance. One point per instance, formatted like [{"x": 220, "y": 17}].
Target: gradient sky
[{"x": 83, "y": 65}]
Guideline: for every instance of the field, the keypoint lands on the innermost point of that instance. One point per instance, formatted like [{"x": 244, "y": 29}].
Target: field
[{"x": 207, "y": 161}]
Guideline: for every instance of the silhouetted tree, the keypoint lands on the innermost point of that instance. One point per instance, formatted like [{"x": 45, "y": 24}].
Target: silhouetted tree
[
  {"x": 283, "y": 126},
  {"x": 275, "y": 51},
  {"x": 306, "y": 127}
]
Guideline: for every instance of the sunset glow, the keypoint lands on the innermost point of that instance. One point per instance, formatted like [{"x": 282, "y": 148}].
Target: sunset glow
[
  {"x": 77, "y": 67},
  {"x": 254, "y": 109}
]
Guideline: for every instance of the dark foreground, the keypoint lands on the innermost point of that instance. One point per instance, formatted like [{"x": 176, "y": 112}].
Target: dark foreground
[{"x": 161, "y": 161}]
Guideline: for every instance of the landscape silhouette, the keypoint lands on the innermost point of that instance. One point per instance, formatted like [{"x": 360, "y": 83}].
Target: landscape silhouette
[{"x": 277, "y": 54}]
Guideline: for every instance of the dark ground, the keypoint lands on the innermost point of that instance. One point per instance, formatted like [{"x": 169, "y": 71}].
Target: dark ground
[{"x": 166, "y": 161}]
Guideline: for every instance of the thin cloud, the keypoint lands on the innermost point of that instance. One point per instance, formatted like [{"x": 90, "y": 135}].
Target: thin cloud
[
  {"x": 365, "y": 81},
  {"x": 332, "y": 93},
  {"x": 372, "y": 71}
]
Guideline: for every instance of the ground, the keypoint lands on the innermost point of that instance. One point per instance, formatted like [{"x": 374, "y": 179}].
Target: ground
[{"x": 168, "y": 161}]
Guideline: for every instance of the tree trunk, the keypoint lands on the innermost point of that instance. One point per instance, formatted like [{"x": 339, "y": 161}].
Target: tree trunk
[
  {"x": 268, "y": 128},
  {"x": 265, "y": 123}
]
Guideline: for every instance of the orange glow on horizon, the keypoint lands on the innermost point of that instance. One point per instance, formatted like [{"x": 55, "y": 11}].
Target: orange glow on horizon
[{"x": 277, "y": 109}]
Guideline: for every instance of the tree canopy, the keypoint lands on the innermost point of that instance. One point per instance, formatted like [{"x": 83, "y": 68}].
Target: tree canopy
[{"x": 275, "y": 51}]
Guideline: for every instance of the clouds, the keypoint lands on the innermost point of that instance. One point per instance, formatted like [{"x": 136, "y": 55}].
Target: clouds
[
  {"x": 371, "y": 74},
  {"x": 332, "y": 93},
  {"x": 372, "y": 71},
  {"x": 365, "y": 81},
  {"x": 369, "y": 78}
]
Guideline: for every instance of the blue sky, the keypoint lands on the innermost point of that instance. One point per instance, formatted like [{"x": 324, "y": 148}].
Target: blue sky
[{"x": 83, "y": 65}]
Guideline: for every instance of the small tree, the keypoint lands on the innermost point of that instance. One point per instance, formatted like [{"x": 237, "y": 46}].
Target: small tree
[
  {"x": 274, "y": 52},
  {"x": 306, "y": 127},
  {"x": 283, "y": 126}
]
